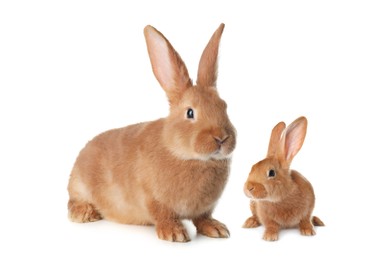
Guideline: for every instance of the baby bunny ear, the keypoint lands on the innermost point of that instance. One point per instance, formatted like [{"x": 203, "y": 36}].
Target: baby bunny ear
[
  {"x": 293, "y": 137},
  {"x": 208, "y": 67},
  {"x": 168, "y": 67},
  {"x": 274, "y": 141}
]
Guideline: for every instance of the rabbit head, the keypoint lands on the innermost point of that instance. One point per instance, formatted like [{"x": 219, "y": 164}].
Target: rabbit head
[
  {"x": 270, "y": 179},
  {"x": 198, "y": 126}
]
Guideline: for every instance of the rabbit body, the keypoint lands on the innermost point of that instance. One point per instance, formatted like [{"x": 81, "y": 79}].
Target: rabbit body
[
  {"x": 163, "y": 171},
  {"x": 281, "y": 197}
]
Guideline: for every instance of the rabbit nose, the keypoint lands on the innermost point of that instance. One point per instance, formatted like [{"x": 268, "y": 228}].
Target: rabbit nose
[
  {"x": 248, "y": 188},
  {"x": 219, "y": 140},
  {"x": 255, "y": 190}
]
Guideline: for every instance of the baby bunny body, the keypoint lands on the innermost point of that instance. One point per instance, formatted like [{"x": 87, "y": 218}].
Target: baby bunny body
[
  {"x": 281, "y": 197},
  {"x": 161, "y": 172}
]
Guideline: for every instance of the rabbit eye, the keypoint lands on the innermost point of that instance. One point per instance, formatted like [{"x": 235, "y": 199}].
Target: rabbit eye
[
  {"x": 271, "y": 173},
  {"x": 190, "y": 113}
]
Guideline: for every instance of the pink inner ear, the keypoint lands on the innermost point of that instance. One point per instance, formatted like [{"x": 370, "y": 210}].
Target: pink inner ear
[
  {"x": 168, "y": 67},
  {"x": 159, "y": 54},
  {"x": 295, "y": 136},
  {"x": 291, "y": 148}
]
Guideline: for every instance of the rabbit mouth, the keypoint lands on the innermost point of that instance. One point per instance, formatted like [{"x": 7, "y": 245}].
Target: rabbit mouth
[
  {"x": 215, "y": 148},
  {"x": 223, "y": 150},
  {"x": 219, "y": 154}
]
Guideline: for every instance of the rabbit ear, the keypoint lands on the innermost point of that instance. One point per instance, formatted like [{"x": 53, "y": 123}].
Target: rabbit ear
[
  {"x": 292, "y": 140},
  {"x": 274, "y": 141},
  {"x": 208, "y": 67},
  {"x": 168, "y": 67}
]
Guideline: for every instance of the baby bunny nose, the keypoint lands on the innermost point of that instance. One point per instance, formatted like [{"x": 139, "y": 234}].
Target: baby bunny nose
[
  {"x": 219, "y": 140},
  {"x": 248, "y": 188}
]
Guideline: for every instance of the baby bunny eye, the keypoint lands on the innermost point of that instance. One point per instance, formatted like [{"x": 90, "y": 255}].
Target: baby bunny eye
[
  {"x": 271, "y": 173},
  {"x": 190, "y": 113}
]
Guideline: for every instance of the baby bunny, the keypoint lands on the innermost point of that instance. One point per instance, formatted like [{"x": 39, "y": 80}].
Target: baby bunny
[
  {"x": 281, "y": 197},
  {"x": 161, "y": 172}
]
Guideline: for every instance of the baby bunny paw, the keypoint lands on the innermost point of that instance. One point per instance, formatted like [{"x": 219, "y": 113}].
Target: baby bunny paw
[
  {"x": 251, "y": 222},
  {"x": 306, "y": 228},
  {"x": 271, "y": 232},
  {"x": 270, "y": 236},
  {"x": 211, "y": 228},
  {"x": 307, "y": 231}
]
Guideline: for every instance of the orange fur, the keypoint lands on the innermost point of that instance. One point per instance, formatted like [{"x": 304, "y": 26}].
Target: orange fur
[
  {"x": 160, "y": 172},
  {"x": 286, "y": 199}
]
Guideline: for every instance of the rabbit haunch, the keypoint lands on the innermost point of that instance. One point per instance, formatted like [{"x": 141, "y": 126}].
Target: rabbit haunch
[{"x": 159, "y": 172}]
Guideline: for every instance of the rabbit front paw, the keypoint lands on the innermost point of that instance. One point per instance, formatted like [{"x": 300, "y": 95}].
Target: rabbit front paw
[
  {"x": 270, "y": 236},
  {"x": 306, "y": 228},
  {"x": 174, "y": 232},
  {"x": 271, "y": 233},
  {"x": 251, "y": 222},
  {"x": 211, "y": 228}
]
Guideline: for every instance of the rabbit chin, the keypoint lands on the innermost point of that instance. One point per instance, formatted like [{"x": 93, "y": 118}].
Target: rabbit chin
[
  {"x": 219, "y": 155},
  {"x": 257, "y": 198},
  {"x": 268, "y": 199},
  {"x": 187, "y": 155},
  {"x": 213, "y": 156}
]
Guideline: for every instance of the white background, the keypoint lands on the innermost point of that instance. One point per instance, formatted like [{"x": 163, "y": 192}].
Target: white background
[{"x": 72, "y": 69}]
